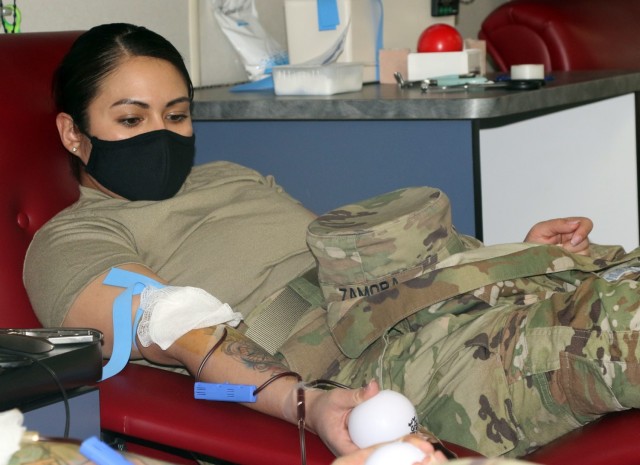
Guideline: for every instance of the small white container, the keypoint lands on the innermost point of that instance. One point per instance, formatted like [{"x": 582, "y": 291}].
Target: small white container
[
  {"x": 328, "y": 79},
  {"x": 524, "y": 72},
  {"x": 427, "y": 65}
]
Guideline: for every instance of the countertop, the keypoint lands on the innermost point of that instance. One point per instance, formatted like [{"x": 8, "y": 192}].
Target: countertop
[{"x": 390, "y": 102}]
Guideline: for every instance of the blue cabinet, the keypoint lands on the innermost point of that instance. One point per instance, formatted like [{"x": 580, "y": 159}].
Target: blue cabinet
[{"x": 326, "y": 164}]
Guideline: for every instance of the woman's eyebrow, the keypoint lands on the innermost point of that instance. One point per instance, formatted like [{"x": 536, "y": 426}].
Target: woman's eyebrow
[
  {"x": 141, "y": 104},
  {"x": 177, "y": 100},
  {"x": 129, "y": 101}
]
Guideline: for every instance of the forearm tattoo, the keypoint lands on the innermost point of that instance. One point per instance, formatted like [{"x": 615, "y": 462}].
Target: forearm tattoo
[{"x": 240, "y": 347}]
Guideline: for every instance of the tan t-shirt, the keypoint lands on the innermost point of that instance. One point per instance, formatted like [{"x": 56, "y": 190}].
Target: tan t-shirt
[{"x": 229, "y": 230}]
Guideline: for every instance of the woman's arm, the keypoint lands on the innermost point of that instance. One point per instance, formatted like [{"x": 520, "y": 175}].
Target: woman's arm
[{"x": 236, "y": 360}]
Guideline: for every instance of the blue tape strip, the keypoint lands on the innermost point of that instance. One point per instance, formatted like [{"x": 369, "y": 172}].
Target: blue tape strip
[
  {"x": 379, "y": 34},
  {"x": 262, "y": 84},
  {"x": 123, "y": 331},
  {"x": 328, "y": 17}
]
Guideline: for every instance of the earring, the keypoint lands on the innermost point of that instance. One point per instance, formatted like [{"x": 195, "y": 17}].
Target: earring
[{"x": 74, "y": 149}]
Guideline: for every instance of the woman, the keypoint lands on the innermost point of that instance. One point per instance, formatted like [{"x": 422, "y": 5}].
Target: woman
[{"x": 219, "y": 229}]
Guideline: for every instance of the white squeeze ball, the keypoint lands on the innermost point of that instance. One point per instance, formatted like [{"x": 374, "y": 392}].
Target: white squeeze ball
[
  {"x": 385, "y": 417},
  {"x": 396, "y": 453}
]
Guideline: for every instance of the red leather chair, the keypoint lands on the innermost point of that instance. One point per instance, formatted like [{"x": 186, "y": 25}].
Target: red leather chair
[
  {"x": 153, "y": 411},
  {"x": 564, "y": 35}
]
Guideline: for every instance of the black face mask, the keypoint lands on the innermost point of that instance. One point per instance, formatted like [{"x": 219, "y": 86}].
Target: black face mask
[{"x": 150, "y": 166}]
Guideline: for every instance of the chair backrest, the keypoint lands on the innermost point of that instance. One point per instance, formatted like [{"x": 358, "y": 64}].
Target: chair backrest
[
  {"x": 564, "y": 35},
  {"x": 35, "y": 176}
]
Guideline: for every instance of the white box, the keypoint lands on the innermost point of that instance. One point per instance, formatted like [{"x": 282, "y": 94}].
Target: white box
[
  {"x": 328, "y": 79},
  {"x": 428, "y": 65},
  {"x": 359, "y": 26},
  {"x": 306, "y": 43}
]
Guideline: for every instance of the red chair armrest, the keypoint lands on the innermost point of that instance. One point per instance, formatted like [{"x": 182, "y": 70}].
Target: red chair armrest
[{"x": 158, "y": 406}]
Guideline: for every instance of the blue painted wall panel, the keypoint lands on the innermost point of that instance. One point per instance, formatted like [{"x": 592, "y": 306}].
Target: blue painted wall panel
[{"x": 326, "y": 164}]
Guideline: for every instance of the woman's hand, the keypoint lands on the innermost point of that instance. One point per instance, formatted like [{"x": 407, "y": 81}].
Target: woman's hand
[
  {"x": 359, "y": 457},
  {"x": 328, "y": 414},
  {"x": 570, "y": 233}
]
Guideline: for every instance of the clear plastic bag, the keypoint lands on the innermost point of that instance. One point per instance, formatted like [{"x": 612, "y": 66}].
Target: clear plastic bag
[{"x": 258, "y": 51}]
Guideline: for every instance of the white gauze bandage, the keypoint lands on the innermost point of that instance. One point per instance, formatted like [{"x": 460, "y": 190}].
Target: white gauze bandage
[{"x": 170, "y": 312}]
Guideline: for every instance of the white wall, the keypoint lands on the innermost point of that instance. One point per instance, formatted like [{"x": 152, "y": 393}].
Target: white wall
[
  {"x": 190, "y": 26},
  {"x": 171, "y": 18},
  {"x": 585, "y": 165}
]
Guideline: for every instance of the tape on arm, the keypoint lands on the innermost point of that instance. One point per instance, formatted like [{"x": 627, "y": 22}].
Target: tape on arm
[
  {"x": 170, "y": 312},
  {"x": 123, "y": 335},
  {"x": 177, "y": 311}
]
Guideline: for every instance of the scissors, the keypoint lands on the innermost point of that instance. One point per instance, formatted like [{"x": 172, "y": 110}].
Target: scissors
[{"x": 11, "y": 10}]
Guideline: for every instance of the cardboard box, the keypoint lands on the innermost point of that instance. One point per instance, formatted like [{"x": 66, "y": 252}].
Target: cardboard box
[{"x": 360, "y": 24}]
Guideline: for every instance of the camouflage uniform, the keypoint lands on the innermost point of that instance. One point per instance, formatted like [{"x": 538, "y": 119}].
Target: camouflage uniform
[{"x": 502, "y": 348}]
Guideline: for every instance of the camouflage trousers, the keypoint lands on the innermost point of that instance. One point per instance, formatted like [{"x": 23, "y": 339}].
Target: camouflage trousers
[{"x": 505, "y": 368}]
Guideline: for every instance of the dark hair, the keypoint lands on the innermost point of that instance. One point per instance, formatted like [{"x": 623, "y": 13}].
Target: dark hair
[{"x": 96, "y": 54}]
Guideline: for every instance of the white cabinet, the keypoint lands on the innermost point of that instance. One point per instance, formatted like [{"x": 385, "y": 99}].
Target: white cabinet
[{"x": 578, "y": 161}]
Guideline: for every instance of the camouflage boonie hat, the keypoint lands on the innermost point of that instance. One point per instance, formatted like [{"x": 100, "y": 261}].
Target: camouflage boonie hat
[{"x": 370, "y": 246}]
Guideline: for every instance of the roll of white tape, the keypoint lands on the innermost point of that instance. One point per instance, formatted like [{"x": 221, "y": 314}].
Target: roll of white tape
[{"x": 527, "y": 72}]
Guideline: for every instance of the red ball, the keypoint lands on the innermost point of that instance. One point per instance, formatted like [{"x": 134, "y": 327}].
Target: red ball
[{"x": 440, "y": 38}]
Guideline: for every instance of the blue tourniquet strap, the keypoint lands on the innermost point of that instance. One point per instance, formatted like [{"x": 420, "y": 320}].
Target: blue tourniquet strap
[
  {"x": 328, "y": 18},
  {"x": 123, "y": 332}
]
